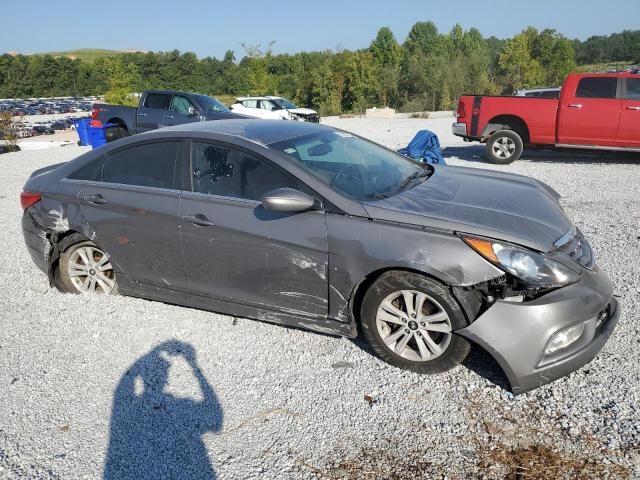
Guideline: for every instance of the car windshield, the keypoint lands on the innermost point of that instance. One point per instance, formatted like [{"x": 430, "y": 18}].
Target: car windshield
[
  {"x": 282, "y": 103},
  {"x": 353, "y": 166},
  {"x": 211, "y": 104}
]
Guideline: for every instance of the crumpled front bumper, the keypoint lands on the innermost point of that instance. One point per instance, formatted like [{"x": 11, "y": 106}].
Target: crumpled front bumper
[{"x": 517, "y": 334}]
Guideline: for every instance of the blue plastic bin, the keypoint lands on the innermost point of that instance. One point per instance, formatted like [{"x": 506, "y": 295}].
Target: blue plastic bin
[
  {"x": 82, "y": 127},
  {"x": 97, "y": 135}
]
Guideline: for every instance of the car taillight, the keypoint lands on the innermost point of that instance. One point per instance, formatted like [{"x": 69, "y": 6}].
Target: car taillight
[
  {"x": 28, "y": 199},
  {"x": 461, "y": 110}
]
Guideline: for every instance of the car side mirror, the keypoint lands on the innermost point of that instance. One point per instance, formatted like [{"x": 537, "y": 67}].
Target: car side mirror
[{"x": 287, "y": 200}]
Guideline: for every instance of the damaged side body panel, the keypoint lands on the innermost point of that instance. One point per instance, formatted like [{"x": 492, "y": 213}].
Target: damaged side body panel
[{"x": 360, "y": 247}]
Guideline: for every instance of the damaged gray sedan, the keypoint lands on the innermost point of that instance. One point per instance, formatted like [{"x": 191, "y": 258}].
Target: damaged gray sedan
[{"x": 309, "y": 226}]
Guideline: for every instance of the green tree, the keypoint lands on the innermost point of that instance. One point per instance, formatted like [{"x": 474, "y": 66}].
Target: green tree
[
  {"x": 520, "y": 69},
  {"x": 123, "y": 79}
]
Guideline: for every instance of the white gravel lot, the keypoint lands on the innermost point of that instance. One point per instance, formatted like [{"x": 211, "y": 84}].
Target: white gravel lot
[{"x": 289, "y": 404}]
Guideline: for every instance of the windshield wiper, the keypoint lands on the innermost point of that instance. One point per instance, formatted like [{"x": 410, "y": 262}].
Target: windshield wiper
[{"x": 411, "y": 178}]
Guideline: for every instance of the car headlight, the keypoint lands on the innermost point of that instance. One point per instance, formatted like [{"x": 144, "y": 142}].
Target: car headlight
[{"x": 533, "y": 268}]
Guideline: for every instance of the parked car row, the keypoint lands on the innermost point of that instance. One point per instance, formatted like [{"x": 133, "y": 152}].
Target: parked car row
[
  {"x": 45, "y": 106},
  {"x": 32, "y": 129}
]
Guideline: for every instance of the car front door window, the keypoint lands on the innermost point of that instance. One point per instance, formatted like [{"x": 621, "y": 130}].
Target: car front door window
[
  {"x": 218, "y": 170},
  {"x": 181, "y": 105}
]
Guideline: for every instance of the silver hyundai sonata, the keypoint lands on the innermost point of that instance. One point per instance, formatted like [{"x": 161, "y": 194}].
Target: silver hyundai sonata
[{"x": 310, "y": 226}]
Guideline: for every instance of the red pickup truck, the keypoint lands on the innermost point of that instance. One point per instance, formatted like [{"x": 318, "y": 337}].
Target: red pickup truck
[{"x": 595, "y": 111}]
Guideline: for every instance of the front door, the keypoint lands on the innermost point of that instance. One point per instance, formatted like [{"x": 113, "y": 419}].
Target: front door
[
  {"x": 629, "y": 129},
  {"x": 237, "y": 251},
  {"x": 180, "y": 111},
  {"x": 131, "y": 208},
  {"x": 151, "y": 112},
  {"x": 591, "y": 116}
]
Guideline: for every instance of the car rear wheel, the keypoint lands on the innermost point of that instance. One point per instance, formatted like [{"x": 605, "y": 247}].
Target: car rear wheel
[
  {"x": 85, "y": 268},
  {"x": 409, "y": 321},
  {"x": 504, "y": 147}
]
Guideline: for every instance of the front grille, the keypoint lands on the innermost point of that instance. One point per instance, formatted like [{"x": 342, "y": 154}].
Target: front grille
[{"x": 578, "y": 249}]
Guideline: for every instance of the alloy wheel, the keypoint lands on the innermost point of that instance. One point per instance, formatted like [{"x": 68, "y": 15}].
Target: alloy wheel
[
  {"x": 413, "y": 325},
  {"x": 503, "y": 147},
  {"x": 90, "y": 270}
]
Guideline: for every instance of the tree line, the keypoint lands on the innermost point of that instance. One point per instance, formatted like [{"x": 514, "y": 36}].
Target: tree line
[{"x": 428, "y": 71}]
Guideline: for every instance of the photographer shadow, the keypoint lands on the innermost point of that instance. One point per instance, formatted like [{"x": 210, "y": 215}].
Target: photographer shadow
[{"x": 155, "y": 434}]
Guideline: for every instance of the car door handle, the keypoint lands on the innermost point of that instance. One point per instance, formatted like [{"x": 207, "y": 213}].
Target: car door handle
[
  {"x": 142, "y": 114},
  {"x": 575, "y": 105},
  {"x": 168, "y": 116},
  {"x": 633, "y": 108},
  {"x": 198, "y": 219},
  {"x": 96, "y": 199}
]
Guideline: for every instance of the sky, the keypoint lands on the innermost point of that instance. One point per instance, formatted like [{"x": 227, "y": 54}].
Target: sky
[{"x": 209, "y": 28}]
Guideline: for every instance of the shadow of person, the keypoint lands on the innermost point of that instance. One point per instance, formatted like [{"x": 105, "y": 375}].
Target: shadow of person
[{"x": 155, "y": 434}]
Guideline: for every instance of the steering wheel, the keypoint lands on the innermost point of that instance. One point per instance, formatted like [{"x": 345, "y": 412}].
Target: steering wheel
[{"x": 350, "y": 180}]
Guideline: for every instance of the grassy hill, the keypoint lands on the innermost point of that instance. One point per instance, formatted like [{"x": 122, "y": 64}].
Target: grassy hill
[{"x": 88, "y": 55}]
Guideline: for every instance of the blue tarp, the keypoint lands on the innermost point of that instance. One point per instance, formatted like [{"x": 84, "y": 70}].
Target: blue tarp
[{"x": 424, "y": 147}]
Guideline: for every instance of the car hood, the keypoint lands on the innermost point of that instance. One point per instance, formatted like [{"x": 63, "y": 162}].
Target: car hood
[
  {"x": 499, "y": 205},
  {"x": 302, "y": 111}
]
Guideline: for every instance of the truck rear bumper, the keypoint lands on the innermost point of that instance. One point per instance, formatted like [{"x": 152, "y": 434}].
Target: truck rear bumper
[{"x": 459, "y": 129}]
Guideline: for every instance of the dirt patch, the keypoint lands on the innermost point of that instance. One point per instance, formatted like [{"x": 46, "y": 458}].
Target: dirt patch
[{"x": 542, "y": 463}]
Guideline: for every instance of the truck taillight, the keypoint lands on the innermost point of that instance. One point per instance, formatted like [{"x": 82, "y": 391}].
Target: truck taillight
[
  {"x": 28, "y": 199},
  {"x": 95, "y": 111},
  {"x": 461, "y": 110}
]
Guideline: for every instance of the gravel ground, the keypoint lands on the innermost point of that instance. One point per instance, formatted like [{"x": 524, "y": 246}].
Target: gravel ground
[{"x": 245, "y": 399}]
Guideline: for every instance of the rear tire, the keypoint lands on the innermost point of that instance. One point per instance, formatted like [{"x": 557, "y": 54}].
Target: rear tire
[
  {"x": 86, "y": 268},
  {"x": 409, "y": 321},
  {"x": 504, "y": 147}
]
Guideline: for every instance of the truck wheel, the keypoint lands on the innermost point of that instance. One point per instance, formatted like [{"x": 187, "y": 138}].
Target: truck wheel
[{"x": 504, "y": 147}]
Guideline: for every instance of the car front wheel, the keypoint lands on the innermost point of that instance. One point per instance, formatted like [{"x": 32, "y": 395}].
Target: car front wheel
[
  {"x": 409, "y": 321},
  {"x": 85, "y": 268}
]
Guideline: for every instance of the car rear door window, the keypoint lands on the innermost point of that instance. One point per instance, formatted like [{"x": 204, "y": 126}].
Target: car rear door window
[
  {"x": 147, "y": 165},
  {"x": 597, "y": 87},
  {"x": 159, "y": 101},
  {"x": 250, "y": 103},
  {"x": 633, "y": 89},
  {"x": 219, "y": 170}
]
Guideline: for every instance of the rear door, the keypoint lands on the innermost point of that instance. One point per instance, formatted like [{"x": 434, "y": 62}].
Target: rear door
[
  {"x": 129, "y": 199},
  {"x": 151, "y": 112},
  {"x": 592, "y": 115},
  {"x": 237, "y": 251},
  {"x": 179, "y": 111},
  {"x": 629, "y": 129}
]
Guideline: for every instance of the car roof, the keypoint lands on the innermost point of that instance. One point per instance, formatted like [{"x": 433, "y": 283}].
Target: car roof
[{"x": 264, "y": 132}]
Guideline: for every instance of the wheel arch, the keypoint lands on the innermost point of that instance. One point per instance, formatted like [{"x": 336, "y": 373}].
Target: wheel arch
[
  {"x": 507, "y": 122},
  {"x": 60, "y": 242},
  {"x": 119, "y": 122},
  {"x": 360, "y": 289}
]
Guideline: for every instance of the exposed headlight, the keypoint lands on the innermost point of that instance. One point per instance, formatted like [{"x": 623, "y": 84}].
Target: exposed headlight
[
  {"x": 564, "y": 338},
  {"x": 534, "y": 269}
]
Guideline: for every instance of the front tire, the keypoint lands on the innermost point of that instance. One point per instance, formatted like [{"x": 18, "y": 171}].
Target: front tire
[
  {"x": 86, "y": 268},
  {"x": 504, "y": 147},
  {"x": 409, "y": 321}
]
